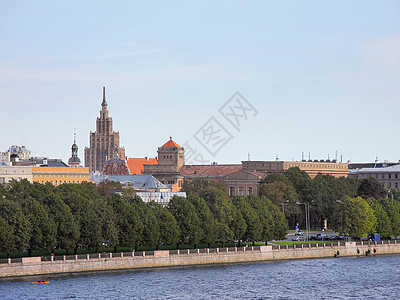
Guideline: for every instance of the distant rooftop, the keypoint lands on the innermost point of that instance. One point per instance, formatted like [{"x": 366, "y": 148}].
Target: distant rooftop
[
  {"x": 140, "y": 182},
  {"x": 390, "y": 169},
  {"x": 213, "y": 170},
  {"x": 170, "y": 144}
]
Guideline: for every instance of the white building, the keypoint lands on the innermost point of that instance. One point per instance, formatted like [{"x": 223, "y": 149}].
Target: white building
[
  {"x": 8, "y": 173},
  {"x": 389, "y": 177}
]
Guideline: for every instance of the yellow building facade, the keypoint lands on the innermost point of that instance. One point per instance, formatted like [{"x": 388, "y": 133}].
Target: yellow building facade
[
  {"x": 60, "y": 175},
  {"x": 312, "y": 168}
]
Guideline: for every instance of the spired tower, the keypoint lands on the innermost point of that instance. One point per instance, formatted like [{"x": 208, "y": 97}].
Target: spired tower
[
  {"x": 74, "y": 160},
  {"x": 104, "y": 143}
]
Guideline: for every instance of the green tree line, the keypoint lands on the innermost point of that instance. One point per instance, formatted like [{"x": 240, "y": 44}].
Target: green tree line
[
  {"x": 37, "y": 217},
  {"x": 351, "y": 206}
]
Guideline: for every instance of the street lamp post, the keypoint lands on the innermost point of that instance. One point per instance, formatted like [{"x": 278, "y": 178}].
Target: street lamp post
[
  {"x": 307, "y": 217},
  {"x": 283, "y": 206}
]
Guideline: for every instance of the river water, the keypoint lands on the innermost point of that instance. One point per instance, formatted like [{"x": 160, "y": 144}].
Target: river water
[{"x": 374, "y": 277}]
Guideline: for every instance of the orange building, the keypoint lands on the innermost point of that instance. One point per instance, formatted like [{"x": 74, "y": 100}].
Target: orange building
[{"x": 59, "y": 175}]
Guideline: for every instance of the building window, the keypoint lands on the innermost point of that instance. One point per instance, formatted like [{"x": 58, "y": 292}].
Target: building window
[
  {"x": 396, "y": 185},
  {"x": 390, "y": 176},
  {"x": 232, "y": 191},
  {"x": 383, "y": 176},
  {"x": 241, "y": 191},
  {"x": 249, "y": 190}
]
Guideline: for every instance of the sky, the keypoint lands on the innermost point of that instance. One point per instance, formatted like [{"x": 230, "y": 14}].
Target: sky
[{"x": 228, "y": 80}]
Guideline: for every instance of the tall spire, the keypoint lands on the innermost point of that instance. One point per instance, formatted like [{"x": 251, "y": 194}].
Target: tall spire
[
  {"x": 74, "y": 160},
  {"x": 104, "y": 103}
]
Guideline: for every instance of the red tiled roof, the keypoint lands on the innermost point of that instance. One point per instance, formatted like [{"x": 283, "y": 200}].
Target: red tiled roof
[
  {"x": 170, "y": 143},
  {"x": 136, "y": 164},
  {"x": 208, "y": 170}
]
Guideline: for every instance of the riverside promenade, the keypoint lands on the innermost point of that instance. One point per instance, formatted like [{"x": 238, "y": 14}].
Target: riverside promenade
[{"x": 174, "y": 258}]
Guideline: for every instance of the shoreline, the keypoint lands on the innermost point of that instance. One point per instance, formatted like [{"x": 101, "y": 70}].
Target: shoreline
[{"x": 109, "y": 262}]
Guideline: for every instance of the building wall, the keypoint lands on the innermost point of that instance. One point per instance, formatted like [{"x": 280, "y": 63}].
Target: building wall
[
  {"x": 8, "y": 173},
  {"x": 104, "y": 143},
  {"x": 389, "y": 179},
  {"x": 171, "y": 156},
  {"x": 57, "y": 176},
  {"x": 312, "y": 168},
  {"x": 241, "y": 188}
]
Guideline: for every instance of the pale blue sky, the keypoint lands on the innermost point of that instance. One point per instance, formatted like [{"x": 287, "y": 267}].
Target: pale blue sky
[{"x": 322, "y": 75}]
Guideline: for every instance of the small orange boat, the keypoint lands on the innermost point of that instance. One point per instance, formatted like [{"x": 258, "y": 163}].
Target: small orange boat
[{"x": 40, "y": 282}]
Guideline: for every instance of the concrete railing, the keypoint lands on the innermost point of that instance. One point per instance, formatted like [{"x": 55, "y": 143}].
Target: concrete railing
[{"x": 182, "y": 257}]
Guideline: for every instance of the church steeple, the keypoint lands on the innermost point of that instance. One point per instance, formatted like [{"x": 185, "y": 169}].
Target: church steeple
[
  {"x": 104, "y": 103},
  {"x": 74, "y": 160}
]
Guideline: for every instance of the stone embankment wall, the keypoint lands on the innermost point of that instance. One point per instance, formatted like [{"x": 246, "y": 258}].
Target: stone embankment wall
[{"x": 174, "y": 258}]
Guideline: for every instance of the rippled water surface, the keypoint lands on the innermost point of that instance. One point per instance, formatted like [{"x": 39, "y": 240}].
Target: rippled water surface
[{"x": 340, "y": 278}]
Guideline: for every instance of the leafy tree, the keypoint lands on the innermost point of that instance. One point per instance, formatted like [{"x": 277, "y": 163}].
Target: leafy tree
[
  {"x": 354, "y": 217},
  {"x": 169, "y": 230},
  {"x": 78, "y": 198},
  {"x": 280, "y": 225},
  {"x": 265, "y": 216},
  {"x": 151, "y": 228},
  {"x": 281, "y": 192},
  {"x": 21, "y": 227},
  {"x": 196, "y": 185},
  {"x": 67, "y": 228},
  {"x": 6, "y": 236},
  {"x": 43, "y": 228},
  {"x": 187, "y": 219},
  {"x": 392, "y": 209},
  {"x": 129, "y": 224},
  {"x": 107, "y": 217},
  {"x": 394, "y": 194},
  {"x": 206, "y": 218},
  {"x": 238, "y": 225},
  {"x": 371, "y": 188},
  {"x": 253, "y": 225},
  {"x": 222, "y": 209},
  {"x": 105, "y": 187},
  {"x": 383, "y": 224}
]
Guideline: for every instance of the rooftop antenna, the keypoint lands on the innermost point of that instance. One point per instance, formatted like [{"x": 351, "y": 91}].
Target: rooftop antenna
[
  {"x": 328, "y": 157},
  {"x": 277, "y": 157},
  {"x": 302, "y": 156},
  {"x": 309, "y": 155},
  {"x": 336, "y": 155},
  {"x": 248, "y": 156}
]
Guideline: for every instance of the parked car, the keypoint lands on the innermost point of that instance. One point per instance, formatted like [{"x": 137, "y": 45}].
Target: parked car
[
  {"x": 299, "y": 232},
  {"x": 322, "y": 237},
  {"x": 297, "y": 238}
]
